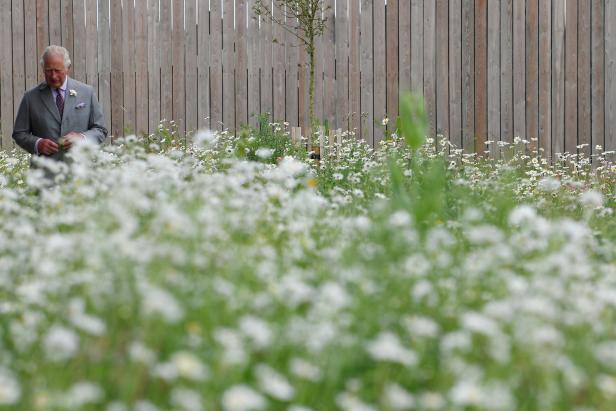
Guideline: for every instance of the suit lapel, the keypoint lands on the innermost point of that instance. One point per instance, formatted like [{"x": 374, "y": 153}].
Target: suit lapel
[
  {"x": 69, "y": 101},
  {"x": 47, "y": 98}
]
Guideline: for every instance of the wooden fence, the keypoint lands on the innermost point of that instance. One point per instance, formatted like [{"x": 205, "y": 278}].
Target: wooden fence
[{"x": 488, "y": 69}]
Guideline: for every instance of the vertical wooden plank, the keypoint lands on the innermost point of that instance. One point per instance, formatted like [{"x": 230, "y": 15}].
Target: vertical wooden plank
[
  {"x": 442, "y": 63},
  {"x": 380, "y": 71},
  {"x": 79, "y": 42},
  {"x": 67, "y": 25},
  {"x": 55, "y": 22},
  {"x": 354, "y": 67},
  {"x": 506, "y": 61},
  {"x": 190, "y": 69},
  {"x": 455, "y": 72},
  {"x": 367, "y": 74},
  {"x": 598, "y": 75},
  {"x": 91, "y": 45},
  {"x": 494, "y": 75},
  {"x": 292, "y": 61},
  {"x": 6, "y": 80},
  {"x": 216, "y": 64},
  {"x": 141, "y": 67},
  {"x": 203, "y": 70},
  {"x": 178, "y": 38},
  {"x": 153, "y": 65},
  {"x": 417, "y": 41},
  {"x": 303, "y": 99},
  {"x": 19, "y": 65},
  {"x": 481, "y": 75},
  {"x": 610, "y": 76},
  {"x": 392, "y": 59},
  {"x": 583, "y": 72},
  {"x": 329, "y": 83},
  {"x": 253, "y": 67},
  {"x": 468, "y": 76},
  {"x": 166, "y": 61},
  {"x": 128, "y": 66},
  {"x": 558, "y": 77},
  {"x": 278, "y": 59},
  {"x": 117, "y": 89},
  {"x": 571, "y": 68},
  {"x": 519, "y": 68},
  {"x": 30, "y": 56},
  {"x": 42, "y": 32},
  {"x": 265, "y": 39},
  {"x": 241, "y": 68},
  {"x": 342, "y": 65},
  {"x": 228, "y": 69},
  {"x": 104, "y": 59},
  {"x": 318, "y": 83},
  {"x": 545, "y": 77},
  {"x": 404, "y": 41},
  {"x": 532, "y": 72},
  {"x": 430, "y": 65}
]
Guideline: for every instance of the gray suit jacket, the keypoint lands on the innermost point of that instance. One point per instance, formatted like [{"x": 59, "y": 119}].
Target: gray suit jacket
[{"x": 38, "y": 116}]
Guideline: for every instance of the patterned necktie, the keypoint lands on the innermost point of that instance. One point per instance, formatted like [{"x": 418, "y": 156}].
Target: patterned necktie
[{"x": 60, "y": 102}]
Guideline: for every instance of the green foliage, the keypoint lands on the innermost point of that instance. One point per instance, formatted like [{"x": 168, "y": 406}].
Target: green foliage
[
  {"x": 413, "y": 121},
  {"x": 268, "y": 142}
]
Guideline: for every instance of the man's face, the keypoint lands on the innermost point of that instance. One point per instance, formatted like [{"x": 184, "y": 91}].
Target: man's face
[{"x": 54, "y": 69}]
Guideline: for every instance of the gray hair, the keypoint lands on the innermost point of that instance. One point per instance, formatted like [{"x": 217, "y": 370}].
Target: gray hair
[{"x": 58, "y": 51}]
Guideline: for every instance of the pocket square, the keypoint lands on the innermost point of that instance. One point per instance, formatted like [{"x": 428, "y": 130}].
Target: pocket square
[{"x": 80, "y": 105}]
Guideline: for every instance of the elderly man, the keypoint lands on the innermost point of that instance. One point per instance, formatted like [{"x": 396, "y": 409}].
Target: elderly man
[{"x": 59, "y": 112}]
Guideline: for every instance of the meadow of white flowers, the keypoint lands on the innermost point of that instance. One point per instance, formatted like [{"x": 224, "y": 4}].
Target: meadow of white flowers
[{"x": 162, "y": 278}]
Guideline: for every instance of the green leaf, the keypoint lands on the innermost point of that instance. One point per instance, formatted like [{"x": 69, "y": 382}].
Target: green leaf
[{"x": 413, "y": 122}]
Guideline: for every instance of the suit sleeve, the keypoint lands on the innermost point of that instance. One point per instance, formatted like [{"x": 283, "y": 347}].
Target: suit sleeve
[
  {"x": 97, "y": 132},
  {"x": 22, "y": 133}
]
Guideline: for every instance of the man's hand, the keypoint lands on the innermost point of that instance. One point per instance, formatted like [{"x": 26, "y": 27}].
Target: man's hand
[
  {"x": 70, "y": 139},
  {"x": 47, "y": 147}
]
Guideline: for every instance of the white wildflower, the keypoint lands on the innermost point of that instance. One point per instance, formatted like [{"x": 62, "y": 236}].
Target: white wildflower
[
  {"x": 605, "y": 353},
  {"x": 157, "y": 301},
  {"x": 432, "y": 401},
  {"x": 466, "y": 394},
  {"x": 257, "y": 330},
  {"x": 419, "y": 326},
  {"x": 523, "y": 214},
  {"x": 10, "y": 390},
  {"x": 60, "y": 343},
  {"x": 166, "y": 371},
  {"x": 242, "y": 398},
  {"x": 232, "y": 343},
  {"x": 264, "y": 153},
  {"x": 186, "y": 400},
  {"x": 349, "y": 402},
  {"x": 480, "y": 324},
  {"x": 139, "y": 352},
  {"x": 83, "y": 393},
  {"x": 548, "y": 184},
  {"x": 204, "y": 138},
  {"x": 83, "y": 321},
  {"x": 591, "y": 199},
  {"x": 398, "y": 398},
  {"x": 387, "y": 347},
  {"x": 273, "y": 383},
  {"x": 303, "y": 369},
  {"x": 189, "y": 366},
  {"x": 400, "y": 219}
]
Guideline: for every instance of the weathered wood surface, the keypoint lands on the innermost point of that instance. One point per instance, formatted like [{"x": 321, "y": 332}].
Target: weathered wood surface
[{"x": 543, "y": 70}]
